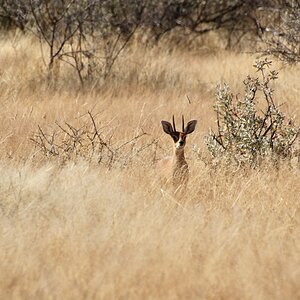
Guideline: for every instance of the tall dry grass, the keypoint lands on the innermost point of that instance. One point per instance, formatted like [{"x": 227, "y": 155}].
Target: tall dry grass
[{"x": 79, "y": 231}]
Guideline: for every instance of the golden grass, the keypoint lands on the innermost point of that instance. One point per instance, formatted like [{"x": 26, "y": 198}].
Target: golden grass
[{"x": 79, "y": 231}]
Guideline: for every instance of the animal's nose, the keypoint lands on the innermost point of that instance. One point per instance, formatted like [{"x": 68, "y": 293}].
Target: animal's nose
[{"x": 181, "y": 143}]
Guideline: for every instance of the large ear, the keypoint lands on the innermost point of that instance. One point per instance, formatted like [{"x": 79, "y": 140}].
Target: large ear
[
  {"x": 190, "y": 127},
  {"x": 167, "y": 127}
]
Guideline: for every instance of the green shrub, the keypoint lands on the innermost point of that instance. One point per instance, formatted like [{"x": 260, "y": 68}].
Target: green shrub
[{"x": 247, "y": 135}]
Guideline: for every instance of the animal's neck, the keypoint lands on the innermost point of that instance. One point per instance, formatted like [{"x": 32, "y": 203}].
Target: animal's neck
[{"x": 179, "y": 156}]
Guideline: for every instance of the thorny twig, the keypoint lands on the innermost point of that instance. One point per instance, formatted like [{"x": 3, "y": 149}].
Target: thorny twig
[{"x": 88, "y": 142}]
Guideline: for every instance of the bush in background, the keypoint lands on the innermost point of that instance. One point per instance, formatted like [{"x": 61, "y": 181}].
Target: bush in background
[
  {"x": 90, "y": 35},
  {"x": 245, "y": 134}
]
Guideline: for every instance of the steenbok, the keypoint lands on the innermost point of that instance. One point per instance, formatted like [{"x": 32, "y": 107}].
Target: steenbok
[{"x": 174, "y": 169}]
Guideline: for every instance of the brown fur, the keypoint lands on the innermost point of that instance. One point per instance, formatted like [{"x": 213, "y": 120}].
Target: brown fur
[{"x": 174, "y": 170}]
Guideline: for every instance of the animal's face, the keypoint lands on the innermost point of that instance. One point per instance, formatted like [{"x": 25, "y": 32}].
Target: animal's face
[{"x": 178, "y": 137}]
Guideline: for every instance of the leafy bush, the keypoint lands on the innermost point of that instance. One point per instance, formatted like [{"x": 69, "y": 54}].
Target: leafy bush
[{"x": 246, "y": 135}]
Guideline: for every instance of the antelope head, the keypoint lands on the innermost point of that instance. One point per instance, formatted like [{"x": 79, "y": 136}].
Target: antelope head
[{"x": 179, "y": 137}]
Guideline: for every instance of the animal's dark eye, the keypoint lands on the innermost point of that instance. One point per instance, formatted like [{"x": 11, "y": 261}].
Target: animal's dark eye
[{"x": 175, "y": 136}]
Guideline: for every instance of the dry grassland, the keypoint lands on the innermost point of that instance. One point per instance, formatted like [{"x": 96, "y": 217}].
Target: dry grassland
[{"x": 80, "y": 231}]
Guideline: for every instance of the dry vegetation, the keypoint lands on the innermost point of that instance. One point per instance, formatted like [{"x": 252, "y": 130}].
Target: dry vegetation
[{"x": 73, "y": 229}]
